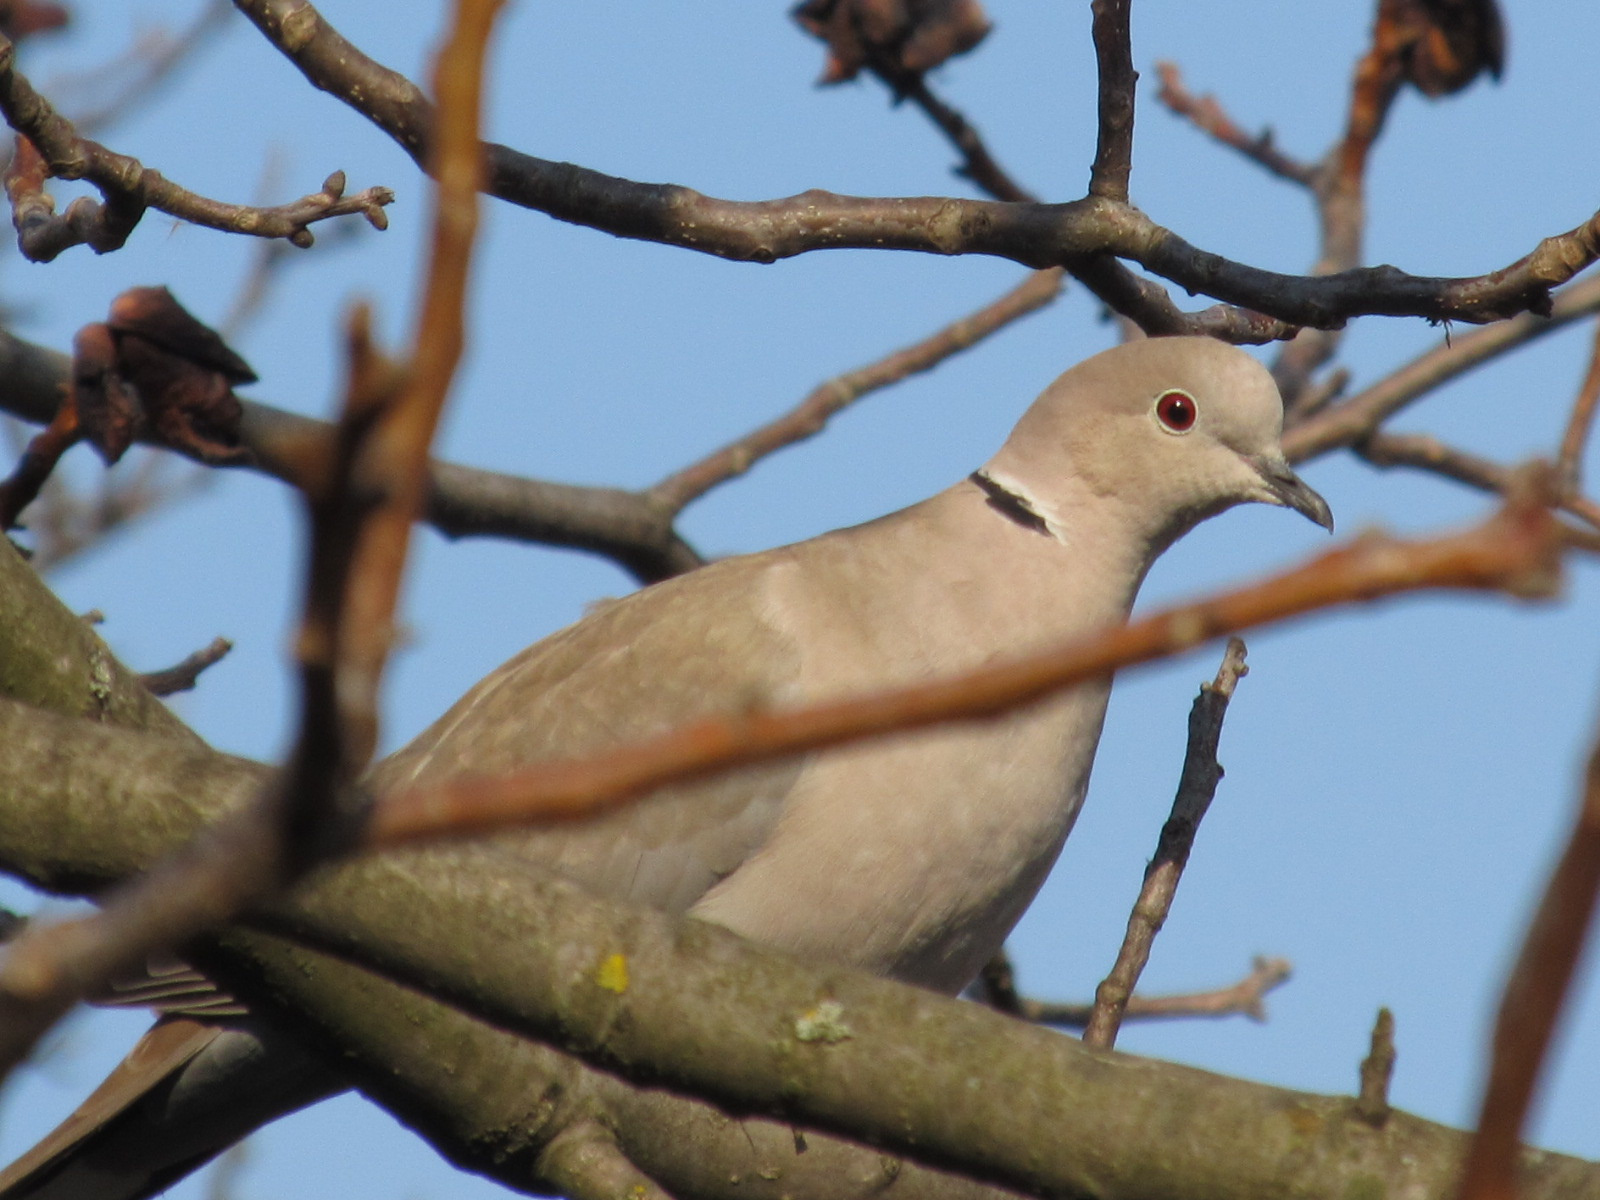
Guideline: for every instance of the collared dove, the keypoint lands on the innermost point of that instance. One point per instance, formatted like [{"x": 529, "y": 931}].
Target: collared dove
[{"x": 912, "y": 856}]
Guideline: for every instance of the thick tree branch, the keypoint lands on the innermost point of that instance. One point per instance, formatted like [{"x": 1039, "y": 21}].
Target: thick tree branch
[{"x": 1058, "y": 1116}]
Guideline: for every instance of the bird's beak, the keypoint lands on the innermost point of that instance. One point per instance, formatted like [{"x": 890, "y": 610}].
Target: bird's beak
[{"x": 1288, "y": 489}]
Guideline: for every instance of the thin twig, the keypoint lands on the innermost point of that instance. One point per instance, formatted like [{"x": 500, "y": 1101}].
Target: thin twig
[
  {"x": 182, "y": 676},
  {"x": 1196, "y": 787},
  {"x": 463, "y": 501},
  {"x": 1516, "y": 551},
  {"x": 32, "y": 471},
  {"x": 1534, "y": 997},
  {"x": 400, "y": 472},
  {"x": 51, "y": 148},
  {"x": 1042, "y": 235},
  {"x": 1339, "y": 184},
  {"x": 977, "y": 163},
  {"x": 1207, "y": 114},
  {"x": 996, "y": 985},
  {"x": 1350, "y": 420},
  {"x": 1425, "y": 453},
  {"x": 1569, "y": 463},
  {"x": 1377, "y": 1068},
  {"x": 1244, "y": 998},
  {"x": 811, "y": 415}
]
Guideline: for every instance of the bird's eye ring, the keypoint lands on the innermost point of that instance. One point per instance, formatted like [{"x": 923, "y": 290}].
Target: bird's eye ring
[{"x": 1177, "y": 411}]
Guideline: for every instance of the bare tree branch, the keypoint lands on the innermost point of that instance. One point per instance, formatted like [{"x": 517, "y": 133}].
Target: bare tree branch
[
  {"x": 1062, "y": 1115},
  {"x": 811, "y": 415},
  {"x": 1242, "y": 998},
  {"x": 1207, "y": 114},
  {"x": 1569, "y": 462},
  {"x": 51, "y": 148},
  {"x": 1348, "y": 421},
  {"x": 1196, "y": 787},
  {"x": 462, "y": 502},
  {"x": 1039, "y": 235},
  {"x": 1426, "y": 453},
  {"x": 1534, "y": 997},
  {"x": 1113, "y": 51},
  {"x": 182, "y": 676}
]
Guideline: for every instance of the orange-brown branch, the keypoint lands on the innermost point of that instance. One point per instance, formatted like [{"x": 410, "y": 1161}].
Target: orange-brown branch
[
  {"x": 1533, "y": 1000},
  {"x": 1516, "y": 551}
]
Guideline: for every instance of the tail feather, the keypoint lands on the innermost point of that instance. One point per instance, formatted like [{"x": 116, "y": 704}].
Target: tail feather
[{"x": 186, "y": 1092}]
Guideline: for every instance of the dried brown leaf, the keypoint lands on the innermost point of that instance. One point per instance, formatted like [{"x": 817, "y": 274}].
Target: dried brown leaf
[
  {"x": 1448, "y": 43},
  {"x": 896, "y": 36},
  {"x": 108, "y": 410},
  {"x": 189, "y": 407},
  {"x": 153, "y": 314}
]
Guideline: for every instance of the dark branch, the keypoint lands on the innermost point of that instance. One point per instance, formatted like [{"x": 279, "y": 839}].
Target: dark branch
[
  {"x": 1350, "y": 420},
  {"x": 623, "y": 526},
  {"x": 1113, "y": 51},
  {"x": 1037, "y": 235},
  {"x": 1196, "y": 787}
]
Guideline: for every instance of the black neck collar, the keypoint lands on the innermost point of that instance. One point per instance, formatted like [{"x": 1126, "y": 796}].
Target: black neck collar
[{"x": 1009, "y": 504}]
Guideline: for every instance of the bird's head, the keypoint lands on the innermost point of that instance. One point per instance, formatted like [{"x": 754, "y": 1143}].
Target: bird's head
[{"x": 1167, "y": 431}]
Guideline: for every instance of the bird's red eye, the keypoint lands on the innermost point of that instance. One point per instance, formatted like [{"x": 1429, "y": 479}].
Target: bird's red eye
[{"x": 1177, "y": 411}]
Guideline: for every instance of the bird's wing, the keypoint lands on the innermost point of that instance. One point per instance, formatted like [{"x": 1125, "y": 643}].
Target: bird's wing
[{"x": 695, "y": 646}]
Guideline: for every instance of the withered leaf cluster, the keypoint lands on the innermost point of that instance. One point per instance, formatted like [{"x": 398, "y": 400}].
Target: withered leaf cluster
[
  {"x": 899, "y": 37},
  {"x": 152, "y": 362},
  {"x": 1446, "y": 44}
]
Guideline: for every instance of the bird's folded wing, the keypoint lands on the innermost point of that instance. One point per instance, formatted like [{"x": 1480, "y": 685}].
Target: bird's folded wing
[{"x": 696, "y": 646}]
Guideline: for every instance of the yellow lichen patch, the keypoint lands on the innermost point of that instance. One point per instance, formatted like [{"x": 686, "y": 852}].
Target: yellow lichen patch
[{"x": 613, "y": 973}]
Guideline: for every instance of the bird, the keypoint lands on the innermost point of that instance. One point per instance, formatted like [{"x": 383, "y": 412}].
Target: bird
[{"x": 910, "y": 857}]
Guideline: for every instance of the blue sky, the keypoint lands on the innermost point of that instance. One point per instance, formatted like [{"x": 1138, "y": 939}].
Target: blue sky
[{"x": 1398, "y": 777}]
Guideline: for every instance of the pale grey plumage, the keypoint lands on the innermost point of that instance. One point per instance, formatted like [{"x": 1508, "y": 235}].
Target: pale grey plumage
[{"x": 910, "y": 857}]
